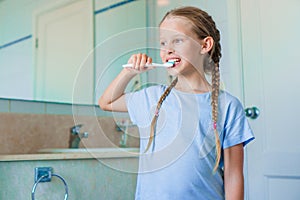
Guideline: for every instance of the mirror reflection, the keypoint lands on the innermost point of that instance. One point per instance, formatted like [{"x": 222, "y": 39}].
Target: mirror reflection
[{"x": 47, "y": 47}]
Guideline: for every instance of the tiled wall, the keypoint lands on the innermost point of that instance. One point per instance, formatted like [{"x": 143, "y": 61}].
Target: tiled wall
[
  {"x": 27, "y": 126},
  {"x": 88, "y": 179}
]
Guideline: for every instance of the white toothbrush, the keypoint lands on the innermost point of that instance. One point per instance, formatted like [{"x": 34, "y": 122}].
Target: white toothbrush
[{"x": 167, "y": 64}]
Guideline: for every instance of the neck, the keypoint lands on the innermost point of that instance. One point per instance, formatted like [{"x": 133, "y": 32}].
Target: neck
[{"x": 194, "y": 83}]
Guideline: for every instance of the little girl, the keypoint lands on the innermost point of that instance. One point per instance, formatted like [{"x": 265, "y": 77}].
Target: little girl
[{"x": 192, "y": 133}]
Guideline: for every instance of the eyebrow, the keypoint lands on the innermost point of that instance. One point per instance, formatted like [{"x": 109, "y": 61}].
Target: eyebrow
[{"x": 176, "y": 35}]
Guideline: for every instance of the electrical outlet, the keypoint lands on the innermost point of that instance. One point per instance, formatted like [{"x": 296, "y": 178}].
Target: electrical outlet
[{"x": 45, "y": 172}]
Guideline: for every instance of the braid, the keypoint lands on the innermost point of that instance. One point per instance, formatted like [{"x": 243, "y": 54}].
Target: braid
[
  {"x": 158, "y": 106},
  {"x": 215, "y": 55},
  {"x": 214, "y": 104}
]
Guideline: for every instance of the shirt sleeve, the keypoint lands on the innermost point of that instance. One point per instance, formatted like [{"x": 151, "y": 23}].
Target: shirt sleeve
[
  {"x": 139, "y": 106},
  {"x": 237, "y": 129}
]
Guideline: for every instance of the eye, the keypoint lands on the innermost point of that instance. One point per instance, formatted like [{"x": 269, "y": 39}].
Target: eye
[
  {"x": 178, "y": 40},
  {"x": 163, "y": 43}
]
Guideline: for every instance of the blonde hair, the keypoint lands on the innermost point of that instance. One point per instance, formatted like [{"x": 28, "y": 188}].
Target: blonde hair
[
  {"x": 158, "y": 106},
  {"x": 203, "y": 26}
]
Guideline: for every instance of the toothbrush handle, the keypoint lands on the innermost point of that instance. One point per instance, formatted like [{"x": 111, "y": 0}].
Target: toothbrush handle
[{"x": 148, "y": 65}]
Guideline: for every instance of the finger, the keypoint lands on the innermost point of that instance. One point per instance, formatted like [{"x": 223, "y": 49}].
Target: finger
[
  {"x": 149, "y": 60},
  {"x": 132, "y": 59},
  {"x": 138, "y": 61},
  {"x": 144, "y": 59},
  {"x": 135, "y": 60}
]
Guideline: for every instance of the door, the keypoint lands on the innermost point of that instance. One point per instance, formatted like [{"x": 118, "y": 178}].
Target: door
[
  {"x": 64, "y": 39},
  {"x": 270, "y": 47}
]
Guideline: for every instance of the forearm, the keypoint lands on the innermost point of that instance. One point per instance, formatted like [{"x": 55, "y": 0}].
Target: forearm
[
  {"x": 233, "y": 172},
  {"x": 234, "y": 186},
  {"x": 115, "y": 90}
]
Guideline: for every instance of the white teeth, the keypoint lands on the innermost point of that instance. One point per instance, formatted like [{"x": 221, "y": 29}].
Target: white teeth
[{"x": 174, "y": 60}]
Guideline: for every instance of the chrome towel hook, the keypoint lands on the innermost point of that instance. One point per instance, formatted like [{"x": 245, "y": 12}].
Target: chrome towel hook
[{"x": 44, "y": 174}]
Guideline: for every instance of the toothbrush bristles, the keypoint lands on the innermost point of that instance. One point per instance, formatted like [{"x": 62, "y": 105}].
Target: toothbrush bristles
[{"x": 170, "y": 63}]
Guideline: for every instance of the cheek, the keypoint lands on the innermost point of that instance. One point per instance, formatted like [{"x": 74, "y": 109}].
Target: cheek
[
  {"x": 191, "y": 52},
  {"x": 185, "y": 53},
  {"x": 162, "y": 54}
]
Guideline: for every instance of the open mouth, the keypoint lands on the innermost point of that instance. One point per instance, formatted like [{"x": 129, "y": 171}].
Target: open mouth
[{"x": 176, "y": 61}]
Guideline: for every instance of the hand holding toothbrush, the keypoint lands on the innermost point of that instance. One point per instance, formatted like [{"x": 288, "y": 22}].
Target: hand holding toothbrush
[
  {"x": 142, "y": 62},
  {"x": 113, "y": 98}
]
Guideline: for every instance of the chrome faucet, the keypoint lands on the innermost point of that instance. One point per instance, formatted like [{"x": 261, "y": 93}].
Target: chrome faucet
[
  {"x": 76, "y": 136},
  {"x": 123, "y": 126}
]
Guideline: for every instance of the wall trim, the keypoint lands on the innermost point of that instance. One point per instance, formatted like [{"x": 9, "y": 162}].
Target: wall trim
[
  {"x": 113, "y": 6},
  {"x": 95, "y": 12},
  {"x": 16, "y": 41}
]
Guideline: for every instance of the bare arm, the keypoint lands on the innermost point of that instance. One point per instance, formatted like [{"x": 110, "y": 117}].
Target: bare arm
[
  {"x": 233, "y": 172},
  {"x": 113, "y": 98}
]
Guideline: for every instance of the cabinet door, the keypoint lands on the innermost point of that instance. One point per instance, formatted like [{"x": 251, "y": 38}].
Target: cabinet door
[{"x": 64, "y": 38}]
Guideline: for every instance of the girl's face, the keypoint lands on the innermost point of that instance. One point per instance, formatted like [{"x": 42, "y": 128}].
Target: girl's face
[{"x": 180, "y": 44}]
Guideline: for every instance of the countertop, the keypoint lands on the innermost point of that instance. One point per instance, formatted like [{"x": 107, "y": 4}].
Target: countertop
[{"x": 65, "y": 154}]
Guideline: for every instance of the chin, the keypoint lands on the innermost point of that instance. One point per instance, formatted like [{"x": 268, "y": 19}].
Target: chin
[{"x": 173, "y": 71}]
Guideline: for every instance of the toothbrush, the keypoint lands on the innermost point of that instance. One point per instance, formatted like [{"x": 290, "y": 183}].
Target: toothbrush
[{"x": 167, "y": 64}]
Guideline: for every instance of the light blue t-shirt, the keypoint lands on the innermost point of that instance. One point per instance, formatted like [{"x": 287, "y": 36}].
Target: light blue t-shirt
[{"x": 179, "y": 164}]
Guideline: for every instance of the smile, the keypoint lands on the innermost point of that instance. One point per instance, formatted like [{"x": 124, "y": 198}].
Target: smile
[{"x": 176, "y": 61}]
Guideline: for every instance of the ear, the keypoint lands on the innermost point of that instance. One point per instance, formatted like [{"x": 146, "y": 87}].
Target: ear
[{"x": 207, "y": 44}]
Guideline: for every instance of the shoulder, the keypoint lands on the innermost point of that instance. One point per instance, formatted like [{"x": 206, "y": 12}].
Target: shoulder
[
  {"x": 140, "y": 102},
  {"x": 229, "y": 99},
  {"x": 146, "y": 93},
  {"x": 230, "y": 105},
  {"x": 155, "y": 88},
  {"x": 235, "y": 125},
  {"x": 153, "y": 92}
]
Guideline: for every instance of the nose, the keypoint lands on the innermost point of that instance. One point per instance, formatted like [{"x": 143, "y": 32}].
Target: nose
[{"x": 169, "y": 49}]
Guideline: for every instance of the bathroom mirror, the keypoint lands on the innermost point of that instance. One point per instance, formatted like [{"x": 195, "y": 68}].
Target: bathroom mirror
[
  {"x": 35, "y": 87},
  {"x": 47, "y": 47},
  {"x": 32, "y": 85}
]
